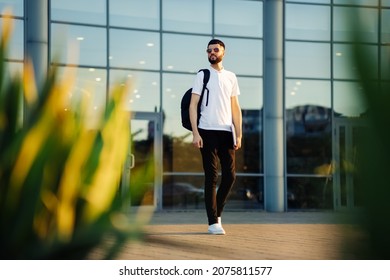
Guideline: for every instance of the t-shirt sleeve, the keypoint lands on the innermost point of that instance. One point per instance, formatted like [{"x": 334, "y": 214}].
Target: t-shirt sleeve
[
  {"x": 235, "y": 88},
  {"x": 198, "y": 83}
]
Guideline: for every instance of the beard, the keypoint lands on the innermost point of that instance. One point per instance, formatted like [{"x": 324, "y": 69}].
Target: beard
[{"x": 215, "y": 60}]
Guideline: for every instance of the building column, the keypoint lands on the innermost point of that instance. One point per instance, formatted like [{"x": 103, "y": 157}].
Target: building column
[
  {"x": 37, "y": 37},
  {"x": 274, "y": 152}
]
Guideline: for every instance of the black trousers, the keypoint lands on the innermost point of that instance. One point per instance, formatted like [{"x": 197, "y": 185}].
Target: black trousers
[{"x": 217, "y": 149}]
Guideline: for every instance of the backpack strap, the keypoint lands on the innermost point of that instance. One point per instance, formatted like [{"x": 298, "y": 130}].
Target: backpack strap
[{"x": 206, "y": 78}]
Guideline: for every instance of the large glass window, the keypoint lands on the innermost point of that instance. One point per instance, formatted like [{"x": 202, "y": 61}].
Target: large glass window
[
  {"x": 156, "y": 51},
  {"x": 183, "y": 192},
  {"x": 385, "y": 26},
  {"x": 143, "y": 14},
  {"x": 301, "y": 92},
  {"x": 343, "y": 61},
  {"x": 85, "y": 11},
  {"x": 187, "y": 16},
  {"x": 243, "y": 56},
  {"x": 312, "y": 1},
  {"x": 345, "y": 19},
  {"x": 250, "y": 157},
  {"x": 348, "y": 99},
  {"x": 143, "y": 89},
  {"x": 308, "y": 126},
  {"x": 310, "y": 60},
  {"x": 89, "y": 86},
  {"x": 16, "y": 44},
  {"x": 357, "y": 2},
  {"x": 174, "y": 86},
  {"x": 16, "y": 7},
  {"x": 134, "y": 49},
  {"x": 81, "y": 45},
  {"x": 228, "y": 23},
  {"x": 187, "y": 192},
  {"x": 309, "y": 193},
  {"x": 184, "y": 53},
  {"x": 307, "y": 22},
  {"x": 179, "y": 153},
  {"x": 385, "y": 66}
]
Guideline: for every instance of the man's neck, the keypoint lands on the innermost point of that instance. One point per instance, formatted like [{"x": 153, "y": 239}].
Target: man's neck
[{"x": 217, "y": 66}]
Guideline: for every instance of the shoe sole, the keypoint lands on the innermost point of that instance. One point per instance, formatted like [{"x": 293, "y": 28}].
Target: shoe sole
[{"x": 216, "y": 233}]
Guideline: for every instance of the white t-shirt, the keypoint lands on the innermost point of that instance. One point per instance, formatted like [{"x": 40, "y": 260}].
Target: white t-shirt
[{"x": 223, "y": 85}]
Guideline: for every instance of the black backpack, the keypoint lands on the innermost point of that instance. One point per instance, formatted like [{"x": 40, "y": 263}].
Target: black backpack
[{"x": 186, "y": 100}]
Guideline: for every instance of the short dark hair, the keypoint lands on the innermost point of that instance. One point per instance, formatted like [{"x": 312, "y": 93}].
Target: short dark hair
[{"x": 216, "y": 41}]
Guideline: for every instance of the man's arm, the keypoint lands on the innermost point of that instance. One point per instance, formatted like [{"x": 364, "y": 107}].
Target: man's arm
[
  {"x": 197, "y": 140},
  {"x": 237, "y": 120}
]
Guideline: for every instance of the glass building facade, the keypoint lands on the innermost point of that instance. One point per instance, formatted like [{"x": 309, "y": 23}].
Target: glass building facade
[{"x": 158, "y": 46}]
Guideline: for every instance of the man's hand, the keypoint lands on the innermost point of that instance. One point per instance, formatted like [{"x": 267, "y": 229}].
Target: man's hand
[
  {"x": 197, "y": 141},
  {"x": 238, "y": 143}
]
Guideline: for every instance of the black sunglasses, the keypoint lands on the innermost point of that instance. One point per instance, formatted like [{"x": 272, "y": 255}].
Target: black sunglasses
[{"x": 215, "y": 50}]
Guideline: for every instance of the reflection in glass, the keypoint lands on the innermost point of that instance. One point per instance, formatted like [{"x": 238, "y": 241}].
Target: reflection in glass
[
  {"x": 194, "y": 16},
  {"x": 135, "y": 14},
  {"x": 90, "y": 87},
  {"x": 184, "y": 53},
  {"x": 237, "y": 17},
  {"x": 348, "y": 132},
  {"x": 357, "y": 188},
  {"x": 343, "y": 61},
  {"x": 309, "y": 141},
  {"x": 15, "y": 68},
  {"x": 348, "y": 99},
  {"x": 308, "y": 126},
  {"x": 186, "y": 192},
  {"x": 16, "y": 6},
  {"x": 307, "y": 22},
  {"x": 174, "y": 87},
  {"x": 79, "y": 45},
  {"x": 247, "y": 193},
  {"x": 385, "y": 27},
  {"x": 16, "y": 44},
  {"x": 183, "y": 192},
  {"x": 178, "y": 152},
  {"x": 307, "y": 92},
  {"x": 134, "y": 49},
  {"x": 142, "y": 149},
  {"x": 310, "y": 60},
  {"x": 313, "y": 1},
  {"x": 309, "y": 193},
  {"x": 143, "y": 95},
  {"x": 357, "y": 2},
  {"x": 249, "y": 159},
  {"x": 85, "y": 11},
  {"x": 385, "y": 59},
  {"x": 251, "y": 89},
  {"x": 343, "y": 178},
  {"x": 343, "y": 29},
  {"x": 244, "y": 56}
]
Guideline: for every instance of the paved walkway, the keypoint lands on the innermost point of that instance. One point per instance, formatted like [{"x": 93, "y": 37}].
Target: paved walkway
[{"x": 249, "y": 236}]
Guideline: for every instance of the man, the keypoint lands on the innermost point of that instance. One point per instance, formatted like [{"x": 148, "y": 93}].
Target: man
[{"x": 219, "y": 133}]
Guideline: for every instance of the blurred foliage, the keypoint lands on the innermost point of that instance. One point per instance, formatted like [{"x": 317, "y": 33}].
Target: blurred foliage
[
  {"x": 374, "y": 163},
  {"x": 59, "y": 180}
]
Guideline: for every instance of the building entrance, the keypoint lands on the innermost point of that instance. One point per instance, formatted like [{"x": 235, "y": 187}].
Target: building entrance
[
  {"x": 347, "y": 188},
  {"x": 141, "y": 179}
]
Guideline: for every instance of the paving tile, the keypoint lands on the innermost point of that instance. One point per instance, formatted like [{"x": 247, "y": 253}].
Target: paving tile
[{"x": 250, "y": 236}]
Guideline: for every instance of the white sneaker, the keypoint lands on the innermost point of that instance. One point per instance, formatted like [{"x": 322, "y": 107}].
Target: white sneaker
[{"x": 216, "y": 229}]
